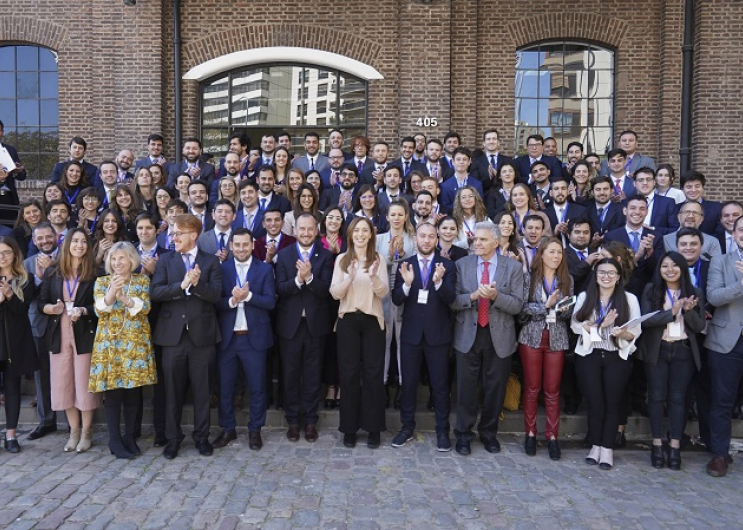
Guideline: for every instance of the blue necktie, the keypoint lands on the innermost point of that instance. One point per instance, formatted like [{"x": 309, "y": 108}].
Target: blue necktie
[{"x": 635, "y": 241}]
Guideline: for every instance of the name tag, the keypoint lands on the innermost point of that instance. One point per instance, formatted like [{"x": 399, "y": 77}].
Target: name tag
[
  {"x": 551, "y": 317},
  {"x": 423, "y": 296},
  {"x": 674, "y": 330},
  {"x": 595, "y": 337}
]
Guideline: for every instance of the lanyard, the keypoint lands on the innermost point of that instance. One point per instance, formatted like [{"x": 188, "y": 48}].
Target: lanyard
[
  {"x": 518, "y": 220},
  {"x": 549, "y": 290},
  {"x": 309, "y": 252},
  {"x": 671, "y": 298},
  {"x": 602, "y": 312},
  {"x": 467, "y": 228},
  {"x": 71, "y": 290},
  {"x": 579, "y": 253},
  {"x": 71, "y": 199},
  {"x": 245, "y": 221},
  {"x": 92, "y": 225},
  {"x": 239, "y": 282}
]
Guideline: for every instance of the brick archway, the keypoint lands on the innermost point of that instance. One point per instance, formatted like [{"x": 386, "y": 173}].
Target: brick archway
[
  {"x": 33, "y": 31},
  {"x": 587, "y": 27}
]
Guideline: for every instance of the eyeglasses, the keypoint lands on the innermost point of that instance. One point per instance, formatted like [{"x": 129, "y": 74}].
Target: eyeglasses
[
  {"x": 348, "y": 174},
  {"x": 91, "y": 198},
  {"x": 162, "y": 197},
  {"x": 181, "y": 234},
  {"x": 607, "y": 274},
  {"x": 6, "y": 253},
  {"x": 689, "y": 212}
]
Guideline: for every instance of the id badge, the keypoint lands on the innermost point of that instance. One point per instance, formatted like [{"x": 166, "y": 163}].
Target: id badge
[
  {"x": 423, "y": 296},
  {"x": 551, "y": 317},
  {"x": 595, "y": 337},
  {"x": 674, "y": 330},
  {"x": 69, "y": 306}
]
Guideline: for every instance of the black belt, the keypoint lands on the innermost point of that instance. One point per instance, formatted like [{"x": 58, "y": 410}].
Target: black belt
[{"x": 241, "y": 332}]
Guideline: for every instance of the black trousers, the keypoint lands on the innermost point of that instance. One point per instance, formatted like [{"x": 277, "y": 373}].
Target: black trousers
[
  {"x": 437, "y": 360},
  {"x": 495, "y": 371},
  {"x": 603, "y": 379},
  {"x": 158, "y": 397},
  {"x": 301, "y": 361},
  {"x": 12, "y": 396},
  {"x": 361, "y": 368},
  {"x": 47, "y": 417},
  {"x": 186, "y": 364}
]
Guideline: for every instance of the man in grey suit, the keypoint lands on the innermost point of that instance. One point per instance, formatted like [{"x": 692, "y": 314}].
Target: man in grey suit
[
  {"x": 691, "y": 215},
  {"x": 217, "y": 240},
  {"x": 725, "y": 347},
  {"x": 313, "y": 159},
  {"x": 628, "y": 142},
  {"x": 489, "y": 295},
  {"x": 45, "y": 239}
]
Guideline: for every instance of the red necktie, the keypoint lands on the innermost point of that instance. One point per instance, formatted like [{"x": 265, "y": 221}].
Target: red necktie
[{"x": 483, "y": 304}]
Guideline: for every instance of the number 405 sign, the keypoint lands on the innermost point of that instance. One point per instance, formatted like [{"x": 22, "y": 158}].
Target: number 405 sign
[{"x": 427, "y": 122}]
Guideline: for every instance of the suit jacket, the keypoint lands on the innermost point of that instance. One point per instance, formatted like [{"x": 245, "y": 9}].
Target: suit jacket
[
  {"x": 209, "y": 243},
  {"x": 207, "y": 222},
  {"x": 18, "y": 347},
  {"x": 207, "y": 173},
  {"x": 455, "y": 253},
  {"x": 638, "y": 161},
  {"x": 613, "y": 219},
  {"x": 11, "y": 179},
  {"x": 430, "y": 321},
  {"x": 547, "y": 201},
  {"x": 648, "y": 348},
  {"x": 259, "y": 248},
  {"x": 712, "y": 212},
  {"x": 384, "y": 200},
  {"x": 257, "y": 223},
  {"x": 710, "y": 246},
  {"x": 98, "y": 183},
  {"x": 85, "y": 327},
  {"x": 725, "y": 292},
  {"x": 314, "y": 297},
  {"x": 90, "y": 170},
  {"x": 146, "y": 162},
  {"x": 414, "y": 165},
  {"x": 509, "y": 282},
  {"x": 366, "y": 176},
  {"x": 263, "y": 300},
  {"x": 39, "y": 320},
  {"x": 303, "y": 163},
  {"x": 332, "y": 196},
  {"x": 277, "y": 201},
  {"x": 663, "y": 218},
  {"x": 495, "y": 202},
  {"x": 573, "y": 211},
  {"x": 479, "y": 168},
  {"x": 449, "y": 190},
  {"x": 644, "y": 268},
  {"x": 578, "y": 268},
  {"x": 180, "y": 311},
  {"x": 523, "y": 164}
]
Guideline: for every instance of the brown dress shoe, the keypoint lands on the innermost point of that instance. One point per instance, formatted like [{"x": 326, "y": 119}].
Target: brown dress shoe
[
  {"x": 292, "y": 433},
  {"x": 717, "y": 467},
  {"x": 254, "y": 441},
  {"x": 310, "y": 433}
]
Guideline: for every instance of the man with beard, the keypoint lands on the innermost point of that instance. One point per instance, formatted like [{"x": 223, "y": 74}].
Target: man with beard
[
  {"x": 267, "y": 199},
  {"x": 154, "y": 155},
  {"x": 436, "y": 169},
  {"x": 560, "y": 212},
  {"x": 231, "y": 167},
  {"x": 422, "y": 208},
  {"x": 313, "y": 159},
  {"x": 331, "y": 176},
  {"x": 192, "y": 165},
  {"x": 343, "y": 196}
]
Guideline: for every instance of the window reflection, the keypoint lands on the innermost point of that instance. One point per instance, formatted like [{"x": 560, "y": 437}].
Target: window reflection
[{"x": 565, "y": 90}]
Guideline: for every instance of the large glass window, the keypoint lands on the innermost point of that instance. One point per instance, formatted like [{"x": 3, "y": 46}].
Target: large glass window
[
  {"x": 295, "y": 98},
  {"x": 29, "y": 106},
  {"x": 565, "y": 90}
]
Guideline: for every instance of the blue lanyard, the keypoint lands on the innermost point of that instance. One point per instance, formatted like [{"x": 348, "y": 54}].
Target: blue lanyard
[
  {"x": 580, "y": 254},
  {"x": 518, "y": 220},
  {"x": 71, "y": 290},
  {"x": 467, "y": 228},
  {"x": 239, "y": 282},
  {"x": 670, "y": 296},
  {"x": 92, "y": 226},
  {"x": 602, "y": 312},
  {"x": 309, "y": 252},
  {"x": 252, "y": 223},
  {"x": 549, "y": 290},
  {"x": 71, "y": 200}
]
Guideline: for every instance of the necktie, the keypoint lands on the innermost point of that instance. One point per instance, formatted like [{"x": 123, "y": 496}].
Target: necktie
[
  {"x": 221, "y": 241},
  {"x": 616, "y": 186},
  {"x": 334, "y": 179},
  {"x": 407, "y": 168},
  {"x": 359, "y": 165},
  {"x": 693, "y": 276},
  {"x": 60, "y": 239},
  {"x": 249, "y": 221},
  {"x": 483, "y": 304},
  {"x": 424, "y": 273},
  {"x": 305, "y": 255},
  {"x": 267, "y": 161},
  {"x": 121, "y": 176},
  {"x": 601, "y": 217},
  {"x": 436, "y": 172},
  {"x": 635, "y": 241},
  {"x": 730, "y": 246},
  {"x": 582, "y": 255},
  {"x": 263, "y": 203},
  {"x": 272, "y": 241},
  {"x": 560, "y": 218},
  {"x": 171, "y": 242},
  {"x": 312, "y": 162},
  {"x": 187, "y": 261}
]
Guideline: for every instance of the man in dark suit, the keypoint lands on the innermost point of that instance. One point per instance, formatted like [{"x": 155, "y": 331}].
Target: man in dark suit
[
  {"x": 303, "y": 275},
  {"x": 247, "y": 296},
  {"x": 373, "y": 174},
  {"x": 154, "y": 155},
  {"x": 249, "y": 215},
  {"x": 312, "y": 159},
  {"x": 124, "y": 160},
  {"x": 621, "y": 181},
  {"x": 8, "y": 191},
  {"x": 216, "y": 240},
  {"x": 192, "y": 165},
  {"x": 360, "y": 153},
  {"x": 342, "y": 195},
  {"x": 633, "y": 159},
  {"x": 392, "y": 189},
  {"x": 541, "y": 184},
  {"x": 434, "y": 165},
  {"x": 78, "y": 146},
  {"x": 534, "y": 149},
  {"x": 425, "y": 286},
  {"x": 331, "y": 176},
  {"x": 575, "y": 153},
  {"x": 661, "y": 210},
  {"x": 406, "y": 162},
  {"x": 267, "y": 199},
  {"x": 461, "y": 178},
  {"x": 489, "y": 293},
  {"x": 198, "y": 197},
  {"x": 188, "y": 283},
  {"x": 485, "y": 168},
  {"x": 692, "y": 184},
  {"x": 729, "y": 212},
  {"x": 239, "y": 143},
  {"x": 603, "y": 214},
  {"x": 268, "y": 246},
  {"x": 561, "y": 211}
]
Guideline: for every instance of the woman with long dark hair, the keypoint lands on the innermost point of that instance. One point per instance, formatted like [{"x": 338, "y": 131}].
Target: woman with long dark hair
[
  {"x": 124, "y": 204},
  {"x": 29, "y": 215},
  {"x": 109, "y": 229},
  {"x": 17, "y": 350},
  {"x": 367, "y": 205},
  {"x": 88, "y": 203},
  {"x": 499, "y": 193},
  {"x": 603, "y": 349},
  {"x": 580, "y": 188},
  {"x": 670, "y": 350},
  {"x": 468, "y": 210},
  {"x": 67, "y": 297},
  {"x": 543, "y": 340},
  {"x": 143, "y": 190},
  {"x": 360, "y": 283},
  {"x": 305, "y": 201},
  {"x": 73, "y": 180}
]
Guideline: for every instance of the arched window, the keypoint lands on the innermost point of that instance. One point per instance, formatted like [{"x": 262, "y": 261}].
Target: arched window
[
  {"x": 267, "y": 99},
  {"x": 29, "y": 105},
  {"x": 565, "y": 90}
]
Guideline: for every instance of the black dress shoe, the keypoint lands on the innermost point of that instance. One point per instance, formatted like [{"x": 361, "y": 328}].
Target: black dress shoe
[
  {"x": 40, "y": 432},
  {"x": 329, "y": 403},
  {"x": 171, "y": 449},
  {"x": 254, "y": 440},
  {"x": 160, "y": 440},
  {"x": 492, "y": 445},
  {"x": 657, "y": 458},
  {"x": 349, "y": 440},
  {"x": 224, "y": 438},
  {"x": 674, "y": 458},
  {"x": 292, "y": 433},
  {"x": 530, "y": 445},
  {"x": 12, "y": 446},
  {"x": 373, "y": 441},
  {"x": 620, "y": 440},
  {"x": 204, "y": 447},
  {"x": 463, "y": 447},
  {"x": 443, "y": 443},
  {"x": 553, "y": 448}
]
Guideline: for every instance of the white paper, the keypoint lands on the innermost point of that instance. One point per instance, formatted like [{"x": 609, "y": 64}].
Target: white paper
[
  {"x": 637, "y": 321},
  {"x": 5, "y": 160}
]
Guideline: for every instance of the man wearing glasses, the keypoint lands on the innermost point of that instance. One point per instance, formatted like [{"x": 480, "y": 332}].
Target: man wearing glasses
[
  {"x": 188, "y": 283},
  {"x": 691, "y": 215}
]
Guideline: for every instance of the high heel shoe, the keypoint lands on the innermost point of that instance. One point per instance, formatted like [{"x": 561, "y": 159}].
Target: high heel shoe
[
  {"x": 71, "y": 444},
  {"x": 606, "y": 459},
  {"x": 674, "y": 458},
  {"x": 657, "y": 458},
  {"x": 86, "y": 440}
]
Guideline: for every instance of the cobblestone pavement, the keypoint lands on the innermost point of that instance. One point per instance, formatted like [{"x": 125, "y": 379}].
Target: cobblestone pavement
[{"x": 324, "y": 485}]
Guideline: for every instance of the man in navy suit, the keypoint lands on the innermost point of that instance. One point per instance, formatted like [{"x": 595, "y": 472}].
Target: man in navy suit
[
  {"x": 603, "y": 214},
  {"x": 331, "y": 176},
  {"x": 560, "y": 212},
  {"x": 692, "y": 184},
  {"x": 534, "y": 149},
  {"x": 406, "y": 162},
  {"x": 239, "y": 143},
  {"x": 249, "y": 215},
  {"x": 154, "y": 155},
  {"x": 392, "y": 189},
  {"x": 425, "y": 286},
  {"x": 312, "y": 159},
  {"x": 303, "y": 275},
  {"x": 373, "y": 174},
  {"x": 541, "y": 181},
  {"x": 435, "y": 167},
  {"x": 248, "y": 295},
  {"x": 78, "y": 146},
  {"x": 449, "y": 188},
  {"x": 188, "y": 283},
  {"x": 192, "y": 165},
  {"x": 342, "y": 195},
  {"x": 267, "y": 199},
  {"x": 621, "y": 181},
  {"x": 661, "y": 210},
  {"x": 729, "y": 212},
  {"x": 485, "y": 168},
  {"x": 166, "y": 238},
  {"x": 124, "y": 160}
]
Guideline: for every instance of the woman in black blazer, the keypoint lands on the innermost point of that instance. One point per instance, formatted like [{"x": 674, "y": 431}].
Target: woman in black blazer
[
  {"x": 17, "y": 351},
  {"x": 668, "y": 345},
  {"x": 67, "y": 297}
]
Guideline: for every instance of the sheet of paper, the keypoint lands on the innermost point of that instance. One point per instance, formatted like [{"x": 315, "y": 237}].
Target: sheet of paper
[
  {"x": 5, "y": 160},
  {"x": 639, "y": 320}
]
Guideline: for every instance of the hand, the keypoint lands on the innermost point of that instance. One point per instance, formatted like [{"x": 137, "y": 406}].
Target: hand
[
  {"x": 116, "y": 285},
  {"x": 223, "y": 254},
  {"x": 597, "y": 239},
  {"x": 148, "y": 264},
  {"x": 239, "y": 294},
  {"x": 304, "y": 270},
  {"x": 279, "y": 189},
  {"x": 75, "y": 314},
  {"x": 593, "y": 258},
  {"x": 374, "y": 268},
  {"x": 195, "y": 274},
  {"x": 562, "y": 228},
  {"x": 407, "y": 274},
  {"x": 270, "y": 252},
  {"x": 553, "y": 299},
  {"x": 439, "y": 217},
  {"x": 609, "y": 319},
  {"x": 439, "y": 274},
  {"x": 487, "y": 291},
  {"x": 332, "y": 240},
  {"x": 646, "y": 246},
  {"x": 677, "y": 306},
  {"x": 619, "y": 333},
  {"x": 618, "y": 198},
  {"x": 103, "y": 246},
  {"x": 195, "y": 171},
  {"x": 55, "y": 309},
  {"x": 690, "y": 303},
  {"x": 42, "y": 263},
  {"x": 352, "y": 269},
  {"x": 163, "y": 227}
]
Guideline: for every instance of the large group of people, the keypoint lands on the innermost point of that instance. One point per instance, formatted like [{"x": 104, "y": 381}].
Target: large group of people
[{"x": 348, "y": 274}]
